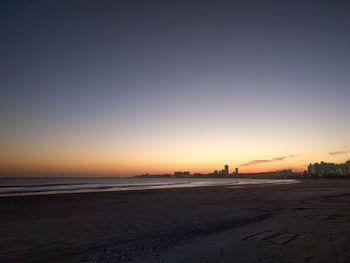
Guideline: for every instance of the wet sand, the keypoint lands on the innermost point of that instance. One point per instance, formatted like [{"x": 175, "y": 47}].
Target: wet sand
[{"x": 304, "y": 222}]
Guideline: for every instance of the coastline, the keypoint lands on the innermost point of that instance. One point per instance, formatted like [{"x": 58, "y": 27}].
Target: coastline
[
  {"x": 53, "y": 186},
  {"x": 305, "y": 222}
]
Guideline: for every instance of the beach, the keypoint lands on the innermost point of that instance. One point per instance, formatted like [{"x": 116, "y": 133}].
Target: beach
[{"x": 308, "y": 221}]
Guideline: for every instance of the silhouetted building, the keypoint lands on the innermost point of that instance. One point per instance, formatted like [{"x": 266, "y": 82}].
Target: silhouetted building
[
  {"x": 311, "y": 169},
  {"x": 347, "y": 167},
  {"x": 226, "y": 170},
  {"x": 285, "y": 173},
  {"x": 181, "y": 174},
  {"x": 324, "y": 168},
  {"x": 236, "y": 171}
]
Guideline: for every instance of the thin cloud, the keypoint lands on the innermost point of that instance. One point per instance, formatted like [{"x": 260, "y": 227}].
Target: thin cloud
[
  {"x": 339, "y": 152},
  {"x": 276, "y": 159}
]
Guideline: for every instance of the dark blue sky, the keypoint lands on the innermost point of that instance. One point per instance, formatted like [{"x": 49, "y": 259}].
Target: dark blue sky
[{"x": 117, "y": 80}]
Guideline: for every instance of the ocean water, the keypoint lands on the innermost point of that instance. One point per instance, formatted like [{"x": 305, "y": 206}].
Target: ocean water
[{"x": 45, "y": 185}]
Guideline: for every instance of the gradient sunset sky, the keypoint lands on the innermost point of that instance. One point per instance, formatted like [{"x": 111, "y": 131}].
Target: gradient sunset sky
[{"x": 130, "y": 87}]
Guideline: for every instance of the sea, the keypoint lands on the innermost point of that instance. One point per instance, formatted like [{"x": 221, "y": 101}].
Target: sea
[{"x": 20, "y": 186}]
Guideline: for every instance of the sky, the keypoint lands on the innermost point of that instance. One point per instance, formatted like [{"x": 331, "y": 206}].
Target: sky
[{"x": 131, "y": 87}]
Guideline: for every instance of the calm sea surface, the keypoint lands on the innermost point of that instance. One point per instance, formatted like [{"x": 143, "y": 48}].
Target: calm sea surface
[{"x": 38, "y": 185}]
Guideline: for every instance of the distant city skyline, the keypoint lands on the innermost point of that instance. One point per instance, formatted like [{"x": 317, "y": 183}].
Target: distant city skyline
[{"x": 151, "y": 86}]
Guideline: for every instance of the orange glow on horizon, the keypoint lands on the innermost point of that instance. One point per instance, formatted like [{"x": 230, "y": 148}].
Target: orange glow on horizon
[
  {"x": 103, "y": 159},
  {"x": 127, "y": 169}
]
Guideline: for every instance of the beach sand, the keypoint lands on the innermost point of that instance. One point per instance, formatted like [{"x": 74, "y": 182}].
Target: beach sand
[{"x": 303, "y": 222}]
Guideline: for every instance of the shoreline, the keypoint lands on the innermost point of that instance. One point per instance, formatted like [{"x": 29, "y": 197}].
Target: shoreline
[{"x": 119, "y": 188}]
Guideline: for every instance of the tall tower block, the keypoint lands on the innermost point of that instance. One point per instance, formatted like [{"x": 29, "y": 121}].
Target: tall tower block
[{"x": 226, "y": 169}]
